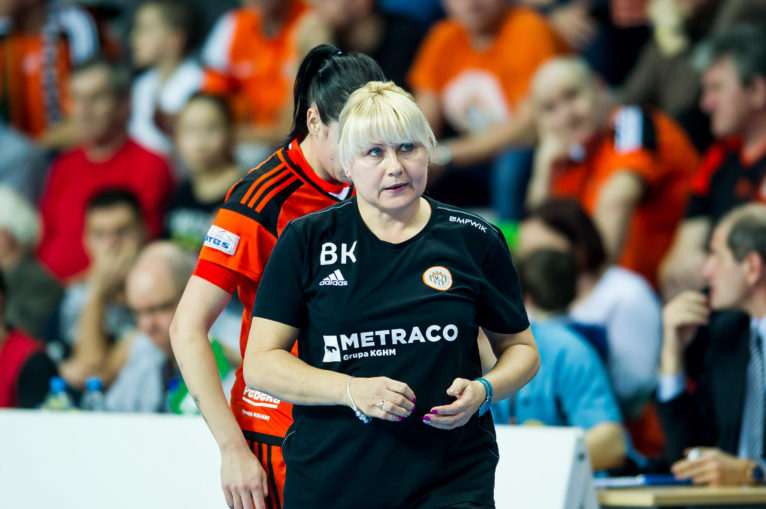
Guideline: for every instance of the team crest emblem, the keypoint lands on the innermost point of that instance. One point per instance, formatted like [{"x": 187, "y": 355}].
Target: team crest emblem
[{"x": 438, "y": 278}]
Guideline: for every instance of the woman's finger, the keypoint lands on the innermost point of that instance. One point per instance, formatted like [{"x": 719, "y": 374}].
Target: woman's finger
[
  {"x": 446, "y": 421},
  {"x": 227, "y": 495},
  {"x": 265, "y": 486},
  {"x": 458, "y": 386},
  {"x": 258, "y": 497},
  {"x": 246, "y": 498},
  {"x": 237, "y": 499},
  {"x": 398, "y": 413},
  {"x": 401, "y": 388},
  {"x": 401, "y": 401}
]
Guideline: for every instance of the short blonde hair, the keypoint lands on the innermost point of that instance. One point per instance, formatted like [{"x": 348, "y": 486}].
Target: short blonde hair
[
  {"x": 19, "y": 218},
  {"x": 555, "y": 67},
  {"x": 381, "y": 112}
]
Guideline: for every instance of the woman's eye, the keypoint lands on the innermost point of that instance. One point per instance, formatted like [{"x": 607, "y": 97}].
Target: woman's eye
[
  {"x": 406, "y": 147},
  {"x": 375, "y": 152}
]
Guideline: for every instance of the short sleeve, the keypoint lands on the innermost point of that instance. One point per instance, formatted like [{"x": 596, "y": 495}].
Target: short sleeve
[
  {"x": 222, "y": 277},
  {"x": 582, "y": 388},
  {"x": 281, "y": 296},
  {"x": 501, "y": 304},
  {"x": 635, "y": 144},
  {"x": 238, "y": 243}
]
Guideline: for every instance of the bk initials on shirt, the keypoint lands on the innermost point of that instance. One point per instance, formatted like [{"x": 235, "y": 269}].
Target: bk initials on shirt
[{"x": 329, "y": 253}]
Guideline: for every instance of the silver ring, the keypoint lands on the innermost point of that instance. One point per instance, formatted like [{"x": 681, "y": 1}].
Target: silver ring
[{"x": 381, "y": 404}]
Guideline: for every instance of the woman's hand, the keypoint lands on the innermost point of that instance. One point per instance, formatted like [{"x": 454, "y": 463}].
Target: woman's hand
[
  {"x": 382, "y": 397},
  {"x": 243, "y": 479},
  {"x": 470, "y": 396}
]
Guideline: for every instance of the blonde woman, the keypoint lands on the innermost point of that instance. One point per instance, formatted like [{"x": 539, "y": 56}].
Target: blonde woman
[{"x": 386, "y": 293}]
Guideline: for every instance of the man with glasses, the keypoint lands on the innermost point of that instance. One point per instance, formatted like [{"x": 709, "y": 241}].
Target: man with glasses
[{"x": 153, "y": 288}]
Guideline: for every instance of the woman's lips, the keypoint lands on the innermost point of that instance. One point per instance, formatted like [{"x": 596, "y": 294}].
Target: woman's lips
[{"x": 396, "y": 187}]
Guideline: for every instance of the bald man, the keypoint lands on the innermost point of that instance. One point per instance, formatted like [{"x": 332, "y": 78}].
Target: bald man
[
  {"x": 628, "y": 167},
  {"x": 153, "y": 288}
]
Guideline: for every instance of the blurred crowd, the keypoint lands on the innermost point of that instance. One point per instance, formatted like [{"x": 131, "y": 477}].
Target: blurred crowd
[{"x": 620, "y": 145}]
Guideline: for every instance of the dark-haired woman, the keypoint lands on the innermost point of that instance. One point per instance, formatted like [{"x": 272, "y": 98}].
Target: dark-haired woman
[
  {"x": 204, "y": 135},
  {"x": 302, "y": 177}
]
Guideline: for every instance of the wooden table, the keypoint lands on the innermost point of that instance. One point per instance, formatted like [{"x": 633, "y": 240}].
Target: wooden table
[{"x": 674, "y": 496}]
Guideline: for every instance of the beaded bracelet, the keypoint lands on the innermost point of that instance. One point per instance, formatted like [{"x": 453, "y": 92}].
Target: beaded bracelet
[{"x": 361, "y": 415}]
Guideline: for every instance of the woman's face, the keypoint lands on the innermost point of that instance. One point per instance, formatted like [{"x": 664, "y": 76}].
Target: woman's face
[
  {"x": 390, "y": 177},
  {"x": 149, "y": 36},
  {"x": 327, "y": 150},
  {"x": 203, "y": 136}
]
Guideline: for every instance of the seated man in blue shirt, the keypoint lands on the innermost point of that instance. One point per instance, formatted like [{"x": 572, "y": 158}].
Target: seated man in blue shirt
[{"x": 571, "y": 388}]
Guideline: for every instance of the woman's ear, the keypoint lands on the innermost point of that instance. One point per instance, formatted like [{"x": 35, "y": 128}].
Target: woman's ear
[{"x": 313, "y": 120}]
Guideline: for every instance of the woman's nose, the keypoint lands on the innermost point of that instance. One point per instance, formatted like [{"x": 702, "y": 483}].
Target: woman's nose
[{"x": 393, "y": 165}]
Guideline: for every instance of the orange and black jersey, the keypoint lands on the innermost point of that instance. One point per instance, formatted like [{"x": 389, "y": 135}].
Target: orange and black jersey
[
  {"x": 726, "y": 179},
  {"x": 240, "y": 241}
]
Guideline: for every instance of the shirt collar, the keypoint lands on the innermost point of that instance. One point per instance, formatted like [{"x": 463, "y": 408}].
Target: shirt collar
[{"x": 759, "y": 325}]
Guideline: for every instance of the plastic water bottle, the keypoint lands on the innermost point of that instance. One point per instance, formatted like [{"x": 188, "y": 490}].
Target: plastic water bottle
[
  {"x": 93, "y": 398},
  {"x": 58, "y": 399}
]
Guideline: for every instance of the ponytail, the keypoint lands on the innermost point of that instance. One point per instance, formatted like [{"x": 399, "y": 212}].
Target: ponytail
[{"x": 326, "y": 77}]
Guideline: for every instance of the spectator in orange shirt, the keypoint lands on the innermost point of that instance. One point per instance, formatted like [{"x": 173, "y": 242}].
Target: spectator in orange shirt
[
  {"x": 472, "y": 75},
  {"x": 253, "y": 54},
  {"x": 40, "y": 44},
  {"x": 628, "y": 167}
]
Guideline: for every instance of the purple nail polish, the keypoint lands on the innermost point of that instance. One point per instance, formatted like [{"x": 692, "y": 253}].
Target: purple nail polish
[
  {"x": 435, "y": 412},
  {"x": 427, "y": 418},
  {"x": 401, "y": 418},
  {"x": 413, "y": 400}
]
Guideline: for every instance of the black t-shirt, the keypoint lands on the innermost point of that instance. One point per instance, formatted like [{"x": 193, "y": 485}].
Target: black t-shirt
[
  {"x": 723, "y": 182},
  {"x": 409, "y": 311},
  {"x": 188, "y": 219}
]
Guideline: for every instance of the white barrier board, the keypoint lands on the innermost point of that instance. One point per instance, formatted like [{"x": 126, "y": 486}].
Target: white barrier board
[{"x": 90, "y": 460}]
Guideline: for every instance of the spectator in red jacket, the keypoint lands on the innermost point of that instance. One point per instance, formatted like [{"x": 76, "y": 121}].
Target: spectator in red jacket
[{"x": 106, "y": 158}]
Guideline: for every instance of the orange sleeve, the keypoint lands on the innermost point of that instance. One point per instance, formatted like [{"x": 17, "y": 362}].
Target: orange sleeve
[
  {"x": 640, "y": 161},
  {"x": 635, "y": 144},
  {"x": 238, "y": 243},
  {"x": 221, "y": 277},
  {"x": 424, "y": 73},
  {"x": 216, "y": 82}
]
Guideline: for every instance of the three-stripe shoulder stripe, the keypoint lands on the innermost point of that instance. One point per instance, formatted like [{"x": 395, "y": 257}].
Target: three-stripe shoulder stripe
[{"x": 267, "y": 186}]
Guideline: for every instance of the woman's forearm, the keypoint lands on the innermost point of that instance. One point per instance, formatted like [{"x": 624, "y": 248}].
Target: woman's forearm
[
  {"x": 281, "y": 374},
  {"x": 197, "y": 363},
  {"x": 516, "y": 366},
  {"x": 200, "y": 305}
]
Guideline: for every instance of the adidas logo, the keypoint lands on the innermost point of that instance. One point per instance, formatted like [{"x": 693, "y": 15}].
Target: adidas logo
[{"x": 334, "y": 279}]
